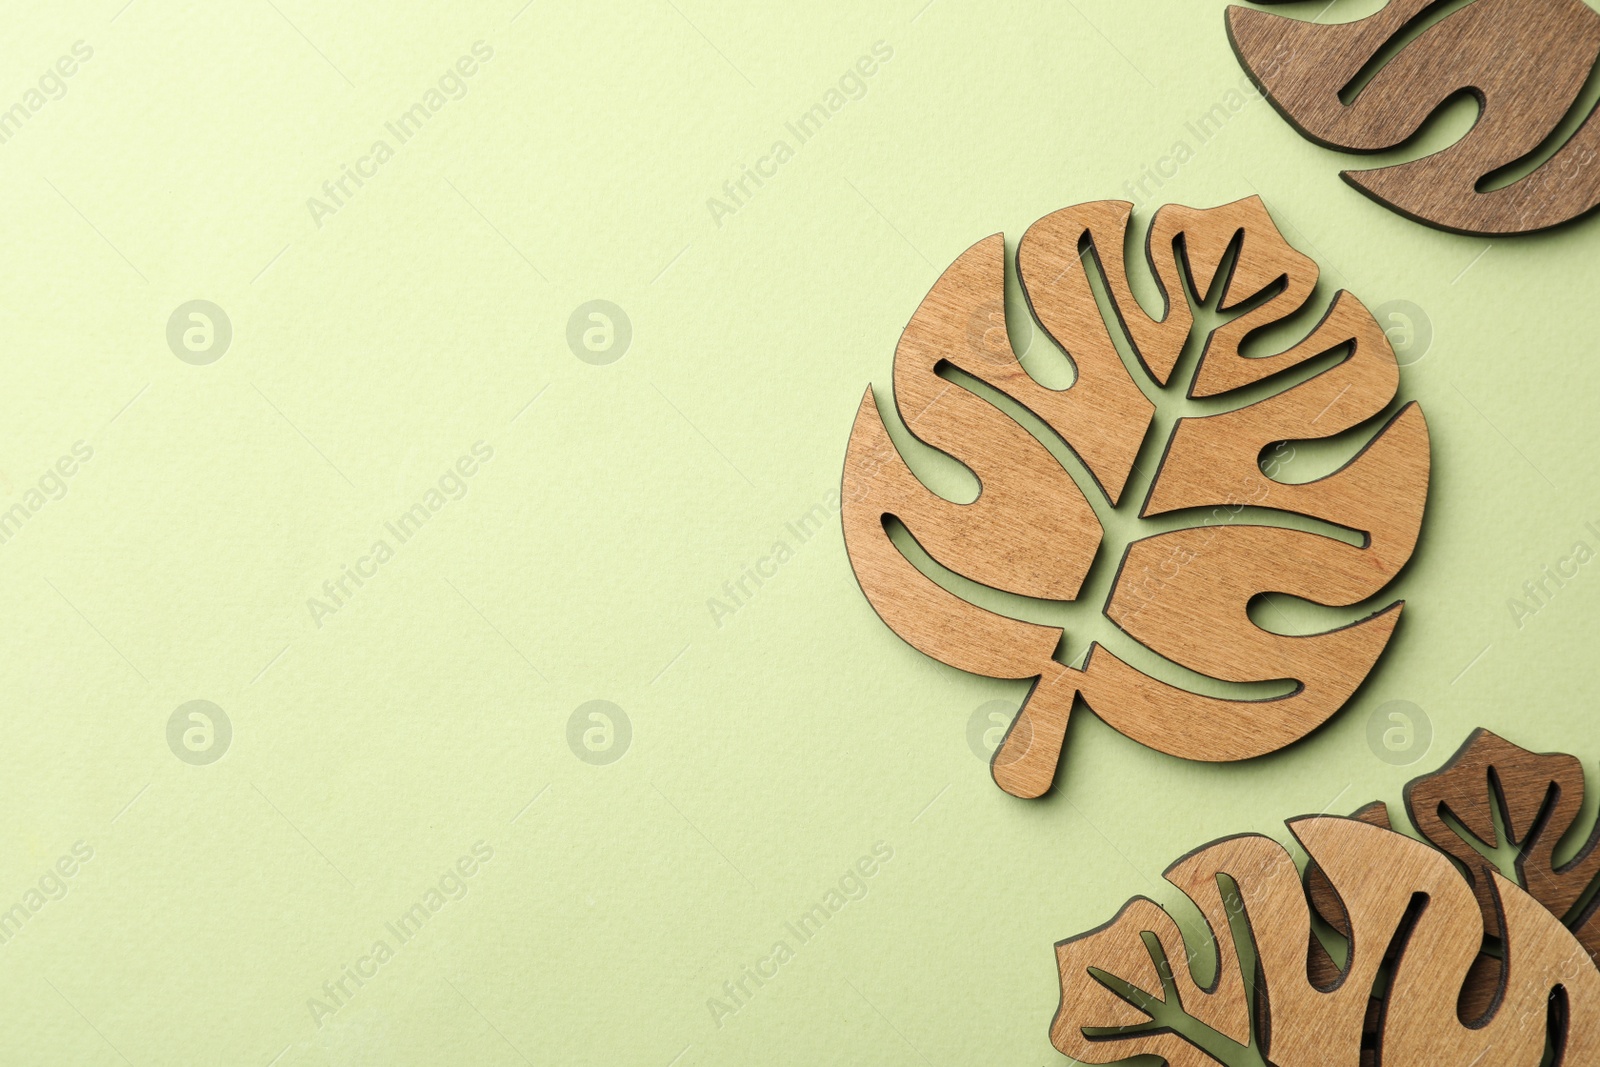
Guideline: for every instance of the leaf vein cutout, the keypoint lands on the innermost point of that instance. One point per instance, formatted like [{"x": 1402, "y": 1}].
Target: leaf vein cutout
[
  {"x": 1531, "y": 159},
  {"x": 1182, "y": 594},
  {"x": 1384, "y": 949}
]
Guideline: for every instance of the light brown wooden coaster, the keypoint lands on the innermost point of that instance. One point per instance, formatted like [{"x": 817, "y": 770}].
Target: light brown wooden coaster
[
  {"x": 1181, "y": 593},
  {"x": 1445, "y": 958}
]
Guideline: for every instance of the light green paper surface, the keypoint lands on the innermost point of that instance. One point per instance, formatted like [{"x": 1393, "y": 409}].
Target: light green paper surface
[{"x": 768, "y": 754}]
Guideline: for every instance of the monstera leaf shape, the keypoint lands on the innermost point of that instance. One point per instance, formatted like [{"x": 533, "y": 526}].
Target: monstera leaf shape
[
  {"x": 1181, "y": 592},
  {"x": 1505, "y": 798},
  {"x": 1371, "y": 84},
  {"x": 1480, "y": 949},
  {"x": 1414, "y": 930}
]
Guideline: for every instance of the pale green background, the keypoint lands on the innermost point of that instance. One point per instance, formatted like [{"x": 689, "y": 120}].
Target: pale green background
[{"x": 768, "y": 754}]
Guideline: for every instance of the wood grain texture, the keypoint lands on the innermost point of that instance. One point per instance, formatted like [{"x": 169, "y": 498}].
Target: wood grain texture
[
  {"x": 1415, "y": 931},
  {"x": 1032, "y": 532},
  {"x": 1265, "y": 263},
  {"x": 1329, "y": 907},
  {"x": 1525, "y": 61},
  {"x": 1538, "y": 796},
  {"x": 934, "y": 621},
  {"x": 1104, "y": 416},
  {"x": 1483, "y": 978}
]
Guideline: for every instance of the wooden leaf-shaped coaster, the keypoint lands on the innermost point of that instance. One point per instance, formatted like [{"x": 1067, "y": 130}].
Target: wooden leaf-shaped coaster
[
  {"x": 1183, "y": 591},
  {"x": 1492, "y": 785},
  {"x": 1371, "y": 85},
  {"x": 1444, "y": 958}
]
